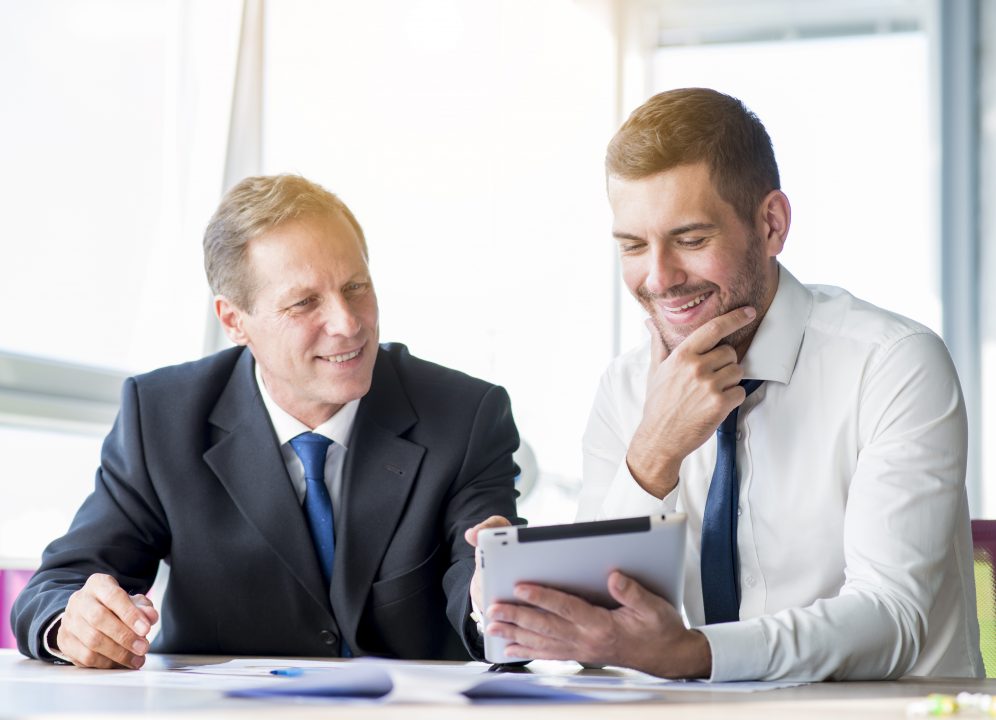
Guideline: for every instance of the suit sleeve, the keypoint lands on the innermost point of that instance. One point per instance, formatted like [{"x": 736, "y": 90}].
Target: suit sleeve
[
  {"x": 120, "y": 530},
  {"x": 485, "y": 486}
]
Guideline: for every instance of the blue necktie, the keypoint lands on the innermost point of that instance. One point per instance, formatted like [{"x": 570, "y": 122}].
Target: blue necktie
[
  {"x": 719, "y": 562},
  {"x": 312, "y": 448}
]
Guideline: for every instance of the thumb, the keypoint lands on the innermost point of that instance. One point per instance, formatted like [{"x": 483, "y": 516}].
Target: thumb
[
  {"x": 145, "y": 605},
  {"x": 631, "y": 594},
  {"x": 492, "y": 522}
]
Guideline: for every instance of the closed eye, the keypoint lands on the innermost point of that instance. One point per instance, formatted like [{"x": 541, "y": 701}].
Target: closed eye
[
  {"x": 631, "y": 246},
  {"x": 691, "y": 242},
  {"x": 303, "y": 303}
]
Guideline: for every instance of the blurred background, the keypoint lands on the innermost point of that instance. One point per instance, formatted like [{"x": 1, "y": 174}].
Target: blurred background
[{"x": 468, "y": 138}]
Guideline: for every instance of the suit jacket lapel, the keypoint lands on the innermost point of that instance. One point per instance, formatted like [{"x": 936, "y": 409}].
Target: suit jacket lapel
[
  {"x": 247, "y": 461},
  {"x": 380, "y": 471}
]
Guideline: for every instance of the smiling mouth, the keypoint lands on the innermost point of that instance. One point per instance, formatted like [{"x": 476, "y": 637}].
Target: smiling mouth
[
  {"x": 698, "y": 300},
  {"x": 344, "y": 357}
]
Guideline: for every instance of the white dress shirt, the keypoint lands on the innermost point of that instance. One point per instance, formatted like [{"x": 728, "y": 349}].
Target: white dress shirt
[
  {"x": 853, "y": 530},
  {"x": 337, "y": 428}
]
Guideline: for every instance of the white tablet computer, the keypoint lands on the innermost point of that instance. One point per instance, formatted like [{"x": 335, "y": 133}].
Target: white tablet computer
[{"x": 578, "y": 559}]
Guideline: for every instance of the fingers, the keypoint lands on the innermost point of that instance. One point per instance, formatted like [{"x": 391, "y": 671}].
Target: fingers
[
  {"x": 708, "y": 336},
  {"x": 719, "y": 357},
  {"x": 629, "y": 593},
  {"x": 88, "y": 647},
  {"x": 554, "y": 626},
  {"x": 146, "y": 607},
  {"x": 105, "y": 627},
  {"x": 556, "y": 604},
  {"x": 124, "y": 611},
  {"x": 494, "y": 521}
]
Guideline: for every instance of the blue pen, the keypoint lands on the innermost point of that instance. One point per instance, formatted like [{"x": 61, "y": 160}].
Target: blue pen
[{"x": 288, "y": 672}]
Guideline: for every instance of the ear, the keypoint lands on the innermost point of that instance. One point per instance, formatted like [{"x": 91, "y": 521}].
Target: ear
[
  {"x": 230, "y": 316},
  {"x": 774, "y": 215}
]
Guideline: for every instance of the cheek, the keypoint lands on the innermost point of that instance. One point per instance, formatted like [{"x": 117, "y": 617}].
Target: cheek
[{"x": 634, "y": 274}]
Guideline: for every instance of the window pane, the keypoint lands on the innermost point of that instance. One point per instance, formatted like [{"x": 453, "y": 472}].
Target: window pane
[
  {"x": 46, "y": 476},
  {"x": 92, "y": 268},
  {"x": 479, "y": 185}
]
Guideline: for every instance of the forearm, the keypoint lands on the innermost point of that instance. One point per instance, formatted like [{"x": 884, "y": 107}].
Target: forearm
[{"x": 856, "y": 636}]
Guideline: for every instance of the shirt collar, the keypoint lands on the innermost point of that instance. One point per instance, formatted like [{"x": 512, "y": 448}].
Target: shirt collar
[
  {"x": 337, "y": 428},
  {"x": 775, "y": 348}
]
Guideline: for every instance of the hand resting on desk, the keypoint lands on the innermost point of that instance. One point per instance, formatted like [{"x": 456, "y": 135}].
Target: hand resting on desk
[
  {"x": 646, "y": 633},
  {"x": 105, "y": 627}
]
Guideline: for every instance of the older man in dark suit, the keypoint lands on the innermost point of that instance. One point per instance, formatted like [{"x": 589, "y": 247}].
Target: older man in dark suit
[{"x": 309, "y": 489}]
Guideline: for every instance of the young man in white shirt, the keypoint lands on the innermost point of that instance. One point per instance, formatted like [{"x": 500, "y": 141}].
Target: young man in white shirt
[{"x": 839, "y": 545}]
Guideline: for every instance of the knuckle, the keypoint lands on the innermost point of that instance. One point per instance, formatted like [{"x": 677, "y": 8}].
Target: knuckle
[
  {"x": 91, "y": 613},
  {"x": 123, "y": 637},
  {"x": 88, "y": 636},
  {"x": 99, "y": 579},
  {"x": 88, "y": 658}
]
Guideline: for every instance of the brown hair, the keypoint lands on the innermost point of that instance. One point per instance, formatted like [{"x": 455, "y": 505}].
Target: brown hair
[
  {"x": 694, "y": 125},
  {"x": 254, "y": 206}
]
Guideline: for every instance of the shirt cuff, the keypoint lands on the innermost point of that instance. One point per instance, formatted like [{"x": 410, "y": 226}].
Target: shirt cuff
[
  {"x": 739, "y": 651},
  {"x": 626, "y": 498},
  {"x": 477, "y": 616},
  {"x": 48, "y": 639}
]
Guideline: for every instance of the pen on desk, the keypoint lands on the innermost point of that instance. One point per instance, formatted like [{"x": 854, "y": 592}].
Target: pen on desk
[{"x": 288, "y": 672}]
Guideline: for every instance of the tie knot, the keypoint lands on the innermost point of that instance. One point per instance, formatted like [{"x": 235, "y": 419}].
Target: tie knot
[
  {"x": 729, "y": 425},
  {"x": 311, "y": 448},
  {"x": 751, "y": 385}
]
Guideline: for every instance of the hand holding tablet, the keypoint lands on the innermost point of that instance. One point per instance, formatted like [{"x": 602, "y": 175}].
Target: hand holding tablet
[{"x": 578, "y": 559}]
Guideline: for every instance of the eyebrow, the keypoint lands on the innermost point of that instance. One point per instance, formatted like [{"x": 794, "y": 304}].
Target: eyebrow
[
  {"x": 673, "y": 232},
  {"x": 691, "y": 227}
]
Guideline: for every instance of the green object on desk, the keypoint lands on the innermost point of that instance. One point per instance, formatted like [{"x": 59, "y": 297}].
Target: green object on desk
[{"x": 985, "y": 599}]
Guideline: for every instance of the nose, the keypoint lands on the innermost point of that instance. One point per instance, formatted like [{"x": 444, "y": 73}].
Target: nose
[
  {"x": 339, "y": 317},
  {"x": 664, "y": 271}
]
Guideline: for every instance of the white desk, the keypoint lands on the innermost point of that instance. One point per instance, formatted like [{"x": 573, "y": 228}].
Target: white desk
[{"x": 29, "y": 688}]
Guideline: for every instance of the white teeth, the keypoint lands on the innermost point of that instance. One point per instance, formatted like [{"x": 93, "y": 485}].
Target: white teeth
[
  {"x": 689, "y": 304},
  {"x": 342, "y": 358}
]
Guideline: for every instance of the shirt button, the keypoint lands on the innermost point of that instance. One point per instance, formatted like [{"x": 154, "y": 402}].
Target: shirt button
[
  {"x": 740, "y": 435},
  {"x": 328, "y": 637},
  {"x": 749, "y": 581},
  {"x": 740, "y": 511}
]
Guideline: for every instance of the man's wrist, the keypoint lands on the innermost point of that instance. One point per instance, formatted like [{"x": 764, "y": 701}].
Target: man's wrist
[
  {"x": 699, "y": 662},
  {"x": 657, "y": 475}
]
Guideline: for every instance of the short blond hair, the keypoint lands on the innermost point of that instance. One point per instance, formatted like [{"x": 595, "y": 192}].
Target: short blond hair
[
  {"x": 254, "y": 206},
  {"x": 692, "y": 125}
]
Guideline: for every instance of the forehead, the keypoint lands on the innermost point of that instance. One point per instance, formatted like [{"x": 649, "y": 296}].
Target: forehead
[
  {"x": 680, "y": 195},
  {"x": 306, "y": 249}
]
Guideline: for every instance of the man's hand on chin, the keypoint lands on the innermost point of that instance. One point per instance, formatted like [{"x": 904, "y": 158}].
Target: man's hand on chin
[
  {"x": 645, "y": 633},
  {"x": 690, "y": 390}
]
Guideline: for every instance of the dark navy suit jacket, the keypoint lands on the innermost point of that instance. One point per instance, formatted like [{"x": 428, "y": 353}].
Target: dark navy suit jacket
[{"x": 192, "y": 473}]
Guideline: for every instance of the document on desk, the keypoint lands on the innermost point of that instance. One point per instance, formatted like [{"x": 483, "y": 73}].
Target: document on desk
[
  {"x": 394, "y": 681},
  {"x": 399, "y": 682}
]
